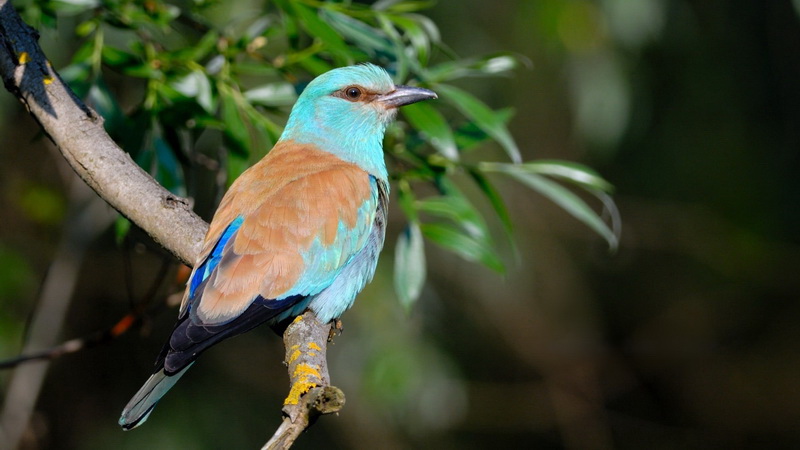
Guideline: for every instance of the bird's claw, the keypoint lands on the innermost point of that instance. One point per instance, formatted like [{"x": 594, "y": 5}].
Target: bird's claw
[{"x": 336, "y": 329}]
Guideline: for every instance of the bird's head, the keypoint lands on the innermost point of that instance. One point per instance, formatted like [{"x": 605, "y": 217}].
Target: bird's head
[{"x": 346, "y": 111}]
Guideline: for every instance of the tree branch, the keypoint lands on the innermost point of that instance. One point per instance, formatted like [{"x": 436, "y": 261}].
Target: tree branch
[
  {"x": 78, "y": 133},
  {"x": 310, "y": 392}
]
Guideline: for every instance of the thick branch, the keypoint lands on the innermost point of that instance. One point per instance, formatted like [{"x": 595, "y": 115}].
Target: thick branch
[{"x": 78, "y": 133}]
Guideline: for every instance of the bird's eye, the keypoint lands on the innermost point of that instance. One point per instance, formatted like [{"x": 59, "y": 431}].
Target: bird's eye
[{"x": 352, "y": 93}]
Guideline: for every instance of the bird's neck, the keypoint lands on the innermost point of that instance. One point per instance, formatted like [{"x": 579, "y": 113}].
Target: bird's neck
[{"x": 355, "y": 139}]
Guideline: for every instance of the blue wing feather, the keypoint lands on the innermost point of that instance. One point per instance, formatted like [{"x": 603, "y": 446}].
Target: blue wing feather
[{"x": 208, "y": 266}]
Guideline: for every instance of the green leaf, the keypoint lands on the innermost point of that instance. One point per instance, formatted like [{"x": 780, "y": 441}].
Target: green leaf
[
  {"x": 315, "y": 65},
  {"x": 402, "y": 6},
  {"x": 86, "y": 28},
  {"x": 572, "y": 172},
  {"x": 488, "y": 65},
  {"x": 560, "y": 195},
  {"x": 364, "y": 36},
  {"x": 102, "y": 100},
  {"x": 469, "y": 248},
  {"x": 198, "y": 51},
  {"x": 429, "y": 26},
  {"x": 74, "y": 6},
  {"x": 434, "y": 127},
  {"x": 402, "y": 62},
  {"x": 457, "y": 209},
  {"x": 272, "y": 94},
  {"x": 197, "y": 86},
  {"x": 416, "y": 35},
  {"x": 235, "y": 131},
  {"x": 235, "y": 165},
  {"x": 466, "y": 233},
  {"x": 409, "y": 265},
  {"x": 483, "y": 116},
  {"x": 318, "y": 28},
  {"x": 121, "y": 228},
  {"x": 119, "y": 59},
  {"x": 495, "y": 199}
]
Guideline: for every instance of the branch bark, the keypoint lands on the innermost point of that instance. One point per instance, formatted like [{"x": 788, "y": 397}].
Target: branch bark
[
  {"x": 310, "y": 392},
  {"x": 78, "y": 133}
]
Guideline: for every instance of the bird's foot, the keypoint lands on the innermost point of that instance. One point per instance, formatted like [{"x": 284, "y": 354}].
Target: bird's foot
[{"x": 336, "y": 329}]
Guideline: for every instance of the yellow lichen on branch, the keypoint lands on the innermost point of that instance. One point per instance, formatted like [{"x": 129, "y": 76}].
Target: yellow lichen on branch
[
  {"x": 310, "y": 392},
  {"x": 295, "y": 354}
]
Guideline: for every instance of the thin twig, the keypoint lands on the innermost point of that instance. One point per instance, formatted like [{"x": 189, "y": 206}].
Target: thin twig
[
  {"x": 126, "y": 323},
  {"x": 310, "y": 393}
]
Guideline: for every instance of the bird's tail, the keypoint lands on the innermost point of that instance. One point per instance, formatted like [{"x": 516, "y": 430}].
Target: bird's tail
[{"x": 141, "y": 405}]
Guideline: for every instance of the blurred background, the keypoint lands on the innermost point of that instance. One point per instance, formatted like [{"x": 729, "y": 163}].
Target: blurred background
[{"x": 686, "y": 337}]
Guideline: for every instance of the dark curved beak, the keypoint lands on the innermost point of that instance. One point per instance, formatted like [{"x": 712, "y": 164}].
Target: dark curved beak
[{"x": 406, "y": 95}]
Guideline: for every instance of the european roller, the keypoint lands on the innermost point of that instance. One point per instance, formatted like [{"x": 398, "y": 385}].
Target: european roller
[{"x": 302, "y": 228}]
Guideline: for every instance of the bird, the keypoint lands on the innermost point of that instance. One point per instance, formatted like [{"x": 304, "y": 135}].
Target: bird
[{"x": 300, "y": 229}]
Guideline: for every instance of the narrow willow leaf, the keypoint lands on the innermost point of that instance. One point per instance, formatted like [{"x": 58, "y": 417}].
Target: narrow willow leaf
[
  {"x": 273, "y": 94},
  {"x": 416, "y": 35},
  {"x": 118, "y": 59},
  {"x": 403, "y": 62},
  {"x": 611, "y": 212},
  {"x": 489, "y": 65},
  {"x": 564, "y": 198},
  {"x": 315, "y": 65},
  {"x": 483, "y": 116},
  {"x": 459, "y": 211},
  {"x": 199, "y": 51},
  {"x": 469, "y": 136},
  {"x": 361, "y": 34},
  {"x": 432, "y": 124},
  {"x": 495, "y": 199},
  {"x": 401, "y": 6},
  {"x": 409, "y": 265},
  {"x": 318, "y": 28},
  {"x": 575, "y": 173},
  {"x": 197, "y": 86},
  {"x": 429, "y": 26},
  {"x": 86, "y": 28},
  {"x": 235, "y": 130},
  {"x": 235, "y": 164},
  {"x": 469, "y": 248}
]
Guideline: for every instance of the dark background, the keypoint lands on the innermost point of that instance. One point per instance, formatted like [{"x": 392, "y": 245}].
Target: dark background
[{"x": 687, "y": 337}]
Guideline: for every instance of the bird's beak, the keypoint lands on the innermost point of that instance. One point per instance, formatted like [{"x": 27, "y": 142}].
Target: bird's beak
[{"x": 405, "y": 95}]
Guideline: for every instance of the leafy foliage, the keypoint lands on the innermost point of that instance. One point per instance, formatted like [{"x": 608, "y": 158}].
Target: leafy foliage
[{"x": 238, "y": 77}]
